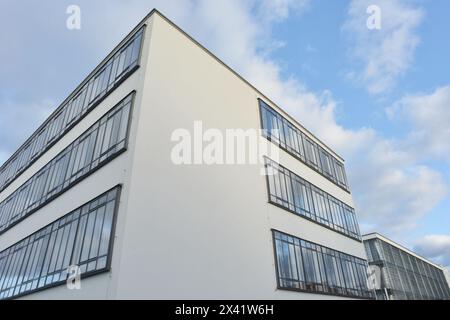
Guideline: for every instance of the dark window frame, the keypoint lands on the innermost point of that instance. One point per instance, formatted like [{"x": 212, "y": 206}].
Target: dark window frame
[
  {"x": 318, "y": 288},
  {"x": 303, "y": 156},
  {"x": 62, "y": 224}
]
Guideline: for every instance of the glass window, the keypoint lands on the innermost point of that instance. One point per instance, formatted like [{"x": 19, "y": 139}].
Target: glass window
[
  {"x": 405, "y": 276},
  {"x": 75, "y": 108},
  {"x": 43, "y": 258},
  {"x": 302, "y": 197},
  {"x": 73, "y": 163},
  {"x": 325, "y": 162},
  {"x": 282, "y": 132},
  {"x": 297, "y": 195}
]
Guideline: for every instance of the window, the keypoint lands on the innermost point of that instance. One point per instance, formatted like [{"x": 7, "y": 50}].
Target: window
[
  {"x": 302, "y": 197},
  {"x": 82, "y": 237},
  {"x": 283, "y": 133},
  {"x": 306, "y": 266},
  {"x": 340, "y": 174},
  {"x": 312, "y": 158},
  {"x": 98, "y": 145},
  {"x": 84, "y": 100},
  {"x": 333, "y": 271},
  {"x": 321, "y": 205},
  {"x": 297, "y": 195},
  {"x": 326, "y": 163}
]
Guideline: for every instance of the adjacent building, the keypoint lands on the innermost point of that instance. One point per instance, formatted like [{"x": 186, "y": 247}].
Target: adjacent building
[
  {"x": 94, "y": 191},
  {"x": 404, "y": 275}
]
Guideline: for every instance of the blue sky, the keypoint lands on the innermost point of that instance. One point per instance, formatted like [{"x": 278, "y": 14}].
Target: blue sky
[{"x": 381, "y": 98}]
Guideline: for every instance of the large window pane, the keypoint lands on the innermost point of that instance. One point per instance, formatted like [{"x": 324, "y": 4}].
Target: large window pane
[{"x": 406, "y": 276}]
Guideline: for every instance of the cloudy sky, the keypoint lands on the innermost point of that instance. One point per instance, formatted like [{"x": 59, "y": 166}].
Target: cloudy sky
[{"x": 381, "y": 98}]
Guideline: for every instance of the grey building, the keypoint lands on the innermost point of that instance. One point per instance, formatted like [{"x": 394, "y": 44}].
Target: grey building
[{"x": 404, "y": 274}]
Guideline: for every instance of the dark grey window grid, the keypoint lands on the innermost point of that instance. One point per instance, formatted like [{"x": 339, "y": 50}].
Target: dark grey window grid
[
  {"x": 289, "y": 138},
  {"x": 405, "y": 276},
  {"x": 97, "y": 86},
  {"x": 102, "y": 142},
  {"x": 308, "y": 267},
  {"x": 81, "y": 238},
  {"x": 288, "y": 191}
]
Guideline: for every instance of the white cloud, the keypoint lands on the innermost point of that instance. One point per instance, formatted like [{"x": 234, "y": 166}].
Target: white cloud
[
  {"x": 436, "y": 248},
  {"x": 429, "y": 117},
  {"x": 393, "y": 192},
  {"x": 280, "y": 9},
  {"x": 384, "y": 55}
]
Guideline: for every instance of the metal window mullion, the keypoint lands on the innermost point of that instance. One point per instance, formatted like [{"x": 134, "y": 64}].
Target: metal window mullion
[
  {"x": 75, "y": 237},
  {"x": 83, "y": 236},
  {"x": 319, "y": 250}
]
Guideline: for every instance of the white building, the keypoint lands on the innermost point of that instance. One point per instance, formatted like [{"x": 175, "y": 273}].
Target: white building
[{"x": 95, "y": 187}]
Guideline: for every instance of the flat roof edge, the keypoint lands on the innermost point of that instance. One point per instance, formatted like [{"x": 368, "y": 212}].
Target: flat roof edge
[{"x": 376, "y": 235}]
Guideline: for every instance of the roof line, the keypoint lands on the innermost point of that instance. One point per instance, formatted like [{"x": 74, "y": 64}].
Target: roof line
[
  {"x": 242, "y": 78},
  {"x": 372, "y": 235}
]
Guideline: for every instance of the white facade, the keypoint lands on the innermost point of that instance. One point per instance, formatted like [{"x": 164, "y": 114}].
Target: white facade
[{"x": 183, "y": 231}]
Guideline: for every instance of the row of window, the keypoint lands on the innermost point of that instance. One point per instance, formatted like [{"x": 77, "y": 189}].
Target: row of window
[
  {"x": 81, "y": 238},
  {"x": 407, "y": 276},
  {"x": 99, "y": 85},
  {"x": 305, "y": 266},
  {"x": 291, "y": 192},
  {"x": 280, "y": 131},
  {"x": 104, "y": 140}
]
